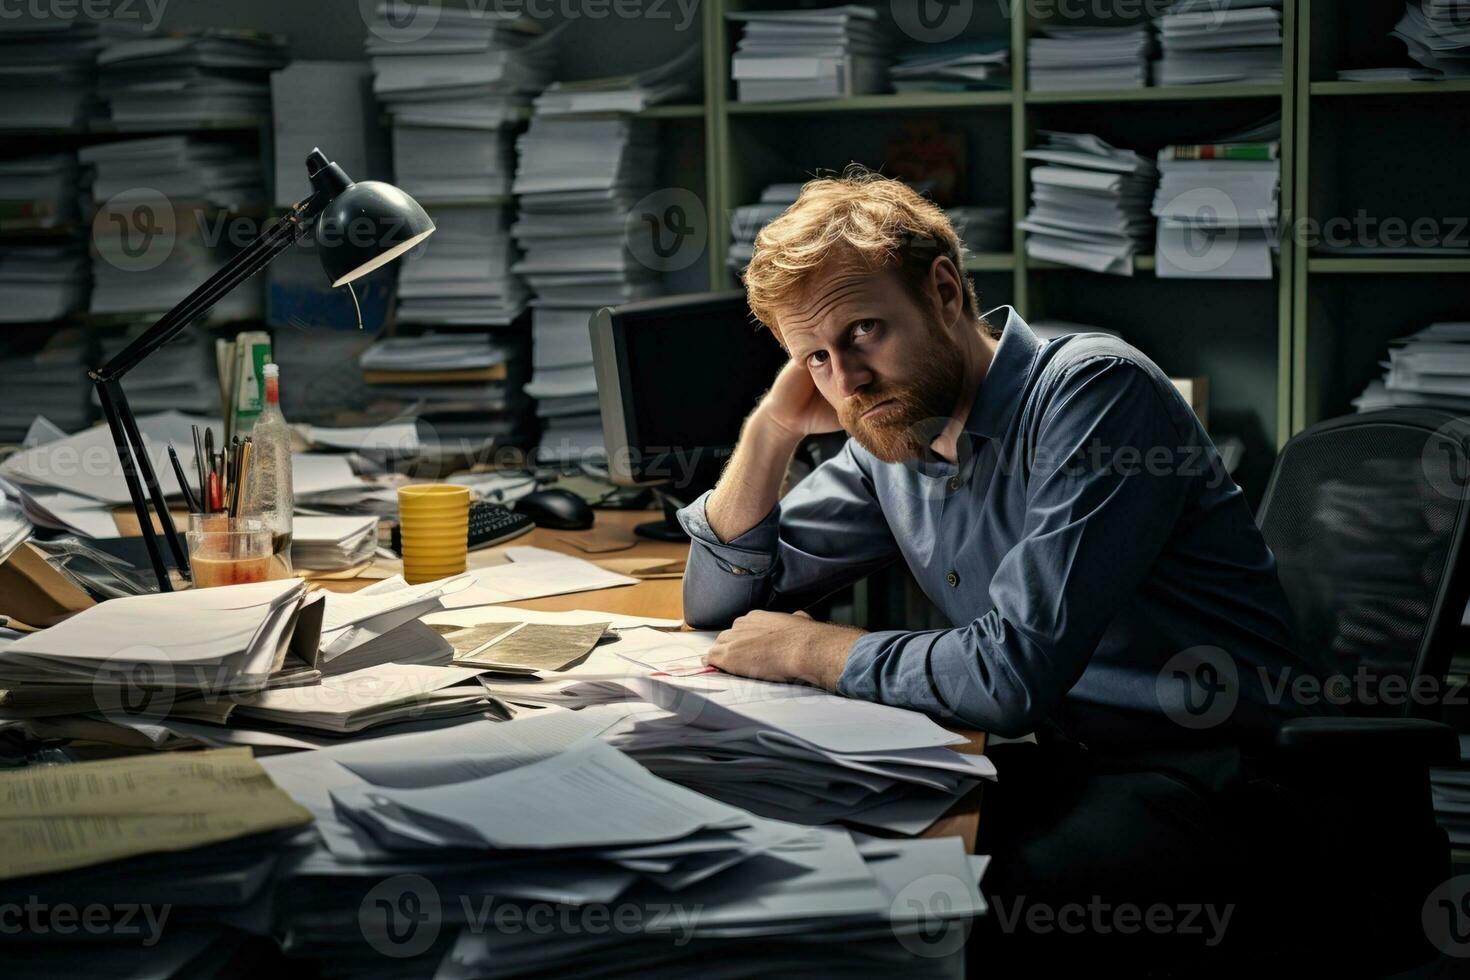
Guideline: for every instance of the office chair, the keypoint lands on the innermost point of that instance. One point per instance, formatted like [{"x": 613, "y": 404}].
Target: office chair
[{"x": 1367, "y": 517}]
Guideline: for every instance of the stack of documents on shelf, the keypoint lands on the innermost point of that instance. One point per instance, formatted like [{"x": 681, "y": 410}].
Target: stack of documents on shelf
[
  {"x": 328, "y": 544},
  {"x": 41, "y": 193},
  {"x": 52, "y": 383},
  {"x": 1064, "y": 58},
  {"x": 827, "y": 53},
  {"x": 1429, "y": 368},
  {"x": 579, "y": 179},
  {"x": 201, "y": 643},
  {"x": 1089, "y": 203},
  {"x": 496, "y": 818},
  {"x": 1450, "y": 787},
  {"x": 960, "y": 66},
  {"x": 462, "y": 274},
  {"x": 1437, "y": 36},
  {"x": 1204, "y": 41},
  {"x": 42, "y": 283},
  {"x": 461, "y": 69},
  {"x": 1217, "y": 206},
  {"x": 982, "y": 229},
  {"x": 190, "y": 171},
  {"x": 459, "y": 386},
  {"x": 747, "y": 220},
  {"x": 48, "y": 66},
  {"x": 326, "y": 104},
  {"x": 440, "y": 165},
  {"x": 676, "y": 80},
  {"x": 181, "y": 376},
  {"x": 198, "y": 77},
  {"x": 170, "y": 197},
  {"x": 1404, "y": 74}
]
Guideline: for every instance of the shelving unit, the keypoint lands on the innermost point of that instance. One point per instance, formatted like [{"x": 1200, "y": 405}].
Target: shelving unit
[{"x": 1380, "y": 155}]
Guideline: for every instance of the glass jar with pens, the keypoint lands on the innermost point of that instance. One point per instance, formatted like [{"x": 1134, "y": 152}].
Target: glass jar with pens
[{"x": 240, "y": 523}]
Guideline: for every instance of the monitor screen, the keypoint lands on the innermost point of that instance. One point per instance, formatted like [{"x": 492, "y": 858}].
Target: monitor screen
[{"x": 689, "y": 370}]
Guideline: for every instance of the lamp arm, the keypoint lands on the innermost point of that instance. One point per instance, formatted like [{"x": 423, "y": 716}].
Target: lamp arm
[{"x": 250, "y": 260}]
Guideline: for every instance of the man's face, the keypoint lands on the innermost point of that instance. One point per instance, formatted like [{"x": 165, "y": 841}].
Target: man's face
[{"x": 885, "y": 364}]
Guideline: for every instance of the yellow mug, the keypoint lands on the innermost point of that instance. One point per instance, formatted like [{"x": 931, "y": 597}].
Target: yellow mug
[{"x": 434, "y": 527}]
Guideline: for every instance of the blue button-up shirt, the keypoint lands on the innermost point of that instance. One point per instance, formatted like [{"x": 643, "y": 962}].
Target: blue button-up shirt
[{"x": 1088, "y": 547}]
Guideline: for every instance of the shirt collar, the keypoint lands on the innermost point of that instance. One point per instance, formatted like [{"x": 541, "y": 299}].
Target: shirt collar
[{"x": 1007, "y": 377}]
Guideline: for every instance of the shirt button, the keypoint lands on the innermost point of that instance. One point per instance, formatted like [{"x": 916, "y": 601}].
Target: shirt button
[
  {"x": 954, "y": 483},
  {"x": 953, "y": 578}
]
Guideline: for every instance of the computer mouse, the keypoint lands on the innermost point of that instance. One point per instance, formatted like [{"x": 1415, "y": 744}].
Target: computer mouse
[{"x": 555, "y": 508}]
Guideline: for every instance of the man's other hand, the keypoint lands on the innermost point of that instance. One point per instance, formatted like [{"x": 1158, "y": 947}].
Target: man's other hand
[
  {"x": 788, "y": 647},
  {"x": 795, "y": 405}
]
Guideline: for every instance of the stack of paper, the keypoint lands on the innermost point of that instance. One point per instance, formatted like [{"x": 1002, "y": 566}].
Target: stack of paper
[
  {"x": 1217, "y": 205},
  {"x": 332, "y": 543},
  {"x": 369, "y": 697},
  {"x": 459, "y": 386},
  {"x": 1065, "y": 58},
  {"x": 41, "y": 193},
  {"x": 820, "y": 758},
  {"x": 42, "y": 283},
  {"x": 676, "y": 80},
  {"x": 195, "y": 78},
  {"x": 1428, "y": 368},
  {"x": 166, "y": 200},
  {"x": 180, "y": 376},
  {"x": 982, "y": 229},
  {"x": 48, "y": 64},
  {"x": 176, "y": 647},
  {"x": 536, "y": 812},
  {"x": 957, "y": 67},
  {"x": 51, "y": 382},
  {"x": 1205, "y": 41},
  {"x": 1089, "y": 203},
  {"x": 1437, "y": 36},
  {"x": 828, "y": 53},
  {"x": 189, "y": 842},
  {"x": 462, "y": 274},
  {"x": 578, "y": 181},
  {"x": 454, "y": 90},
  {"x": 747, "y": 220},
  {"x": 326, "y": 104}
]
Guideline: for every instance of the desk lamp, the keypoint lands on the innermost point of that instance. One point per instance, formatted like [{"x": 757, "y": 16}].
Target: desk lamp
[{"x": 359, "y": 228}]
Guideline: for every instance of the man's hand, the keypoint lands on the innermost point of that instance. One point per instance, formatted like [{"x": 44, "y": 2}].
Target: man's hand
[
  {"x": 773, "y": 646},
  {"x": 795, "y": 404}
]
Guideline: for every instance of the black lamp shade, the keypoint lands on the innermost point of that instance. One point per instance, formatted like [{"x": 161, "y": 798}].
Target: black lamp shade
[{"x": 368, "y": 225}]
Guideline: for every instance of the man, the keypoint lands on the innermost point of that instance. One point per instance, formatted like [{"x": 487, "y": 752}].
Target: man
[{"x": 1061, "y": 505}]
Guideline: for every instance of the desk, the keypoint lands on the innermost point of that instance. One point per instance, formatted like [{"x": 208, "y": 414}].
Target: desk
[{"x": 664, "y": 598}]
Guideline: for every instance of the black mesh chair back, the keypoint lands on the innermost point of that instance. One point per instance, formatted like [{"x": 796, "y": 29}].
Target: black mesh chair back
[{"x": 1366, "y": 516}]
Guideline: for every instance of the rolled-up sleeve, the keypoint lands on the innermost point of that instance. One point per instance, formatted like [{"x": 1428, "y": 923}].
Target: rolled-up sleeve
[
  {"x": 827, "y": 532},
  {"x": 1098, "y": 514}
]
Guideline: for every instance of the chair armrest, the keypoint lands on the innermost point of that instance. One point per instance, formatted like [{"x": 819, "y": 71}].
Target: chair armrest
[{"x": 1414, "y": 740}]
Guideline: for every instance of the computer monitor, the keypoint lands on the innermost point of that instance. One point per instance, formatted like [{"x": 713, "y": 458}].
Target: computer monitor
[{"x": 676, "y": 377}]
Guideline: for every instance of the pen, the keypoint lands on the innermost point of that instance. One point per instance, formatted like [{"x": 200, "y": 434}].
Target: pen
[
  {"x": 199, "y": 462},
  {"x": 173, "y": 458}
]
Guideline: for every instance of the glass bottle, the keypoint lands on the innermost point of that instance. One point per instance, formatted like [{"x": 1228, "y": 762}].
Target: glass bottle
[{"x": 268, "y": 487}]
